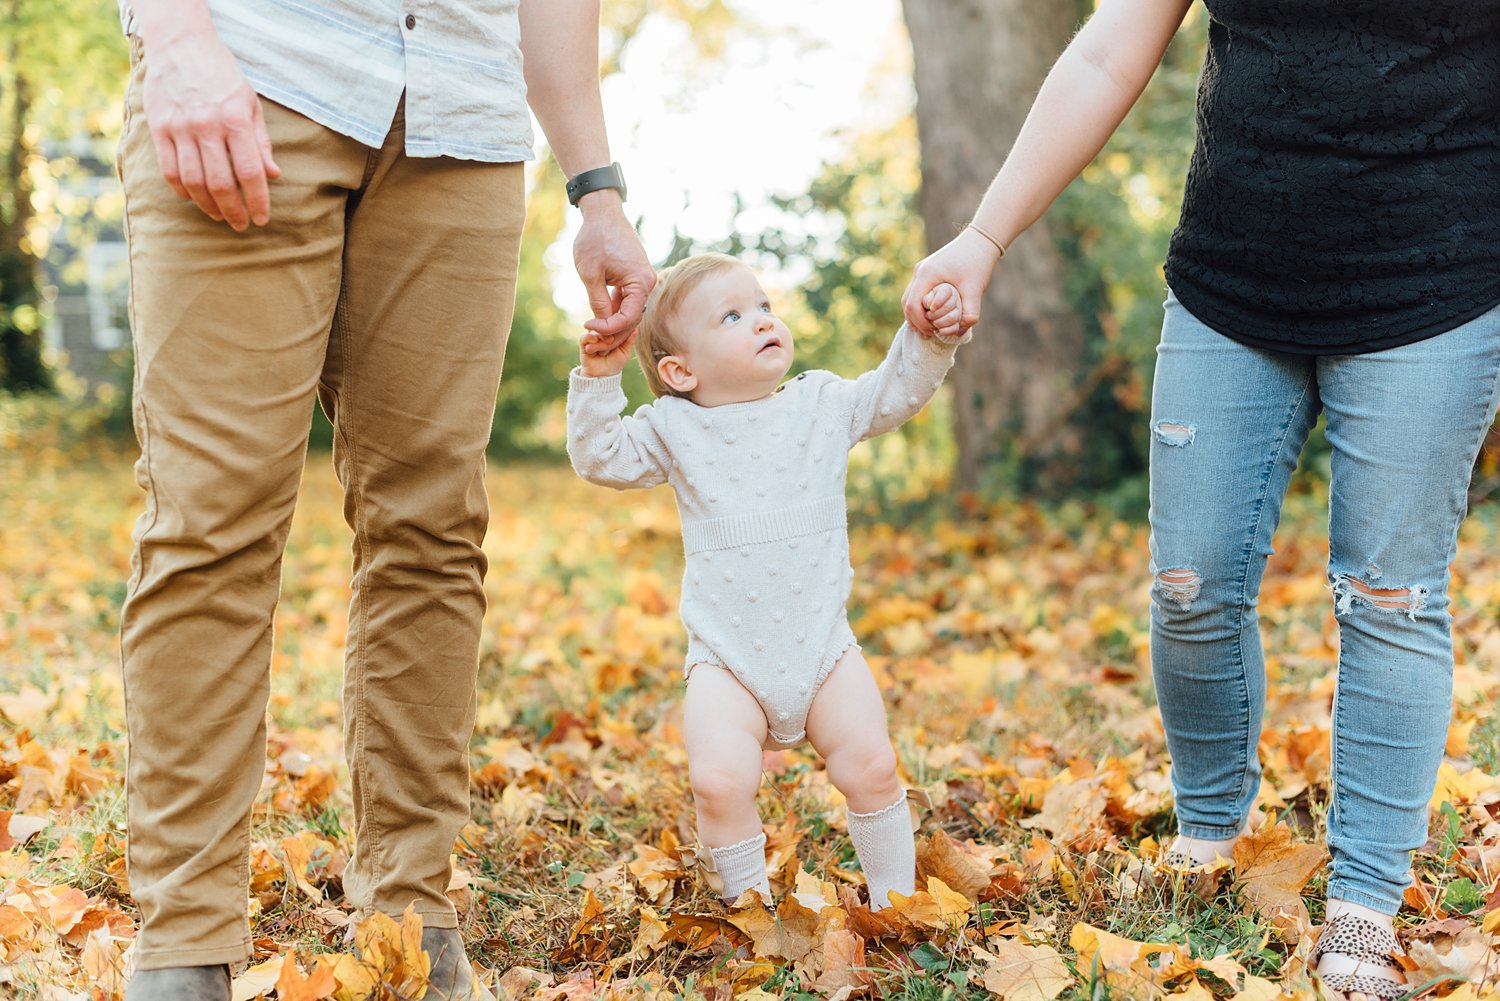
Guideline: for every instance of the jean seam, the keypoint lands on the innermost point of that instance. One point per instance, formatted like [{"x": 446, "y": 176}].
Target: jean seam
[{"x": 1244, "y": 583}]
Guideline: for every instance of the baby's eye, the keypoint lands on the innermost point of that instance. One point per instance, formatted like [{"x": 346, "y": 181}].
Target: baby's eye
[
  {"x": 732, "y": 316},
  {"x": 765, "y": 307}
]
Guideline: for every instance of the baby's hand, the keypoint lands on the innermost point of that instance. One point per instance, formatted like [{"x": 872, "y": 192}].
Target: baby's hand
[
  {"x": 943, "y": 310},
  {"x": 601, "y": 356}
]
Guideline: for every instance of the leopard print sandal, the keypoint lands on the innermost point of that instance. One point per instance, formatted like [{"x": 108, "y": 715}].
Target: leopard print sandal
[{"x": 1365, "y": 942}]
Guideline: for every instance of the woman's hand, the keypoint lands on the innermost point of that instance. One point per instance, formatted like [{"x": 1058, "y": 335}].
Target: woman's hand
[
  {"x": 967, "y": 263},
  {"x": 599, "y": 358}
]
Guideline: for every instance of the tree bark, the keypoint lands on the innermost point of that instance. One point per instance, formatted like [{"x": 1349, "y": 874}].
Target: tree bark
[
  {"x": 978, "y": 65},
  {"x": 21, "y": 365}
]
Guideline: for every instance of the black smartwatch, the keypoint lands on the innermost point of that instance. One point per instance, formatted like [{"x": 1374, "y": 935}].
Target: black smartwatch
[{"x": 595, "y": 180}]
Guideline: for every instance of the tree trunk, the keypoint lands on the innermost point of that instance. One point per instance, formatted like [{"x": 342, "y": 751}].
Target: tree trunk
[
  {"x": 21, "y": 365},
  {"x": 978, "y": 65}
]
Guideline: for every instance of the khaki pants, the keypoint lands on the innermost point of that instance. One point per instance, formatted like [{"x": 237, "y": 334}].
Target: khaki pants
[{"x": 384, "y": 287}]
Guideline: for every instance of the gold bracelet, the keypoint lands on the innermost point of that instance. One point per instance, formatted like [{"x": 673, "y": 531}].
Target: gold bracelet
[{"x": 998, "y": 245}]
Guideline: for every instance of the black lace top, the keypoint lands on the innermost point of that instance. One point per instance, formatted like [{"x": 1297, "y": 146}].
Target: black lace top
[{"x": 1344, "y": 195}]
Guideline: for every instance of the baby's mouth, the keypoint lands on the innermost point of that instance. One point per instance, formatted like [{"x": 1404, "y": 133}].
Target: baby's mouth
[{"x": 772, "y": 343}]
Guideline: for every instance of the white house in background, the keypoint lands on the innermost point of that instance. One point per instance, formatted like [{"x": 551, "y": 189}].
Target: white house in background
[{"x": 87, "y": 275}]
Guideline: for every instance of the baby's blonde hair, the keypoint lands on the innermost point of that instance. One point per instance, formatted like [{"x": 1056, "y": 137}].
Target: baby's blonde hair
[{"x": 656, "y": 338}]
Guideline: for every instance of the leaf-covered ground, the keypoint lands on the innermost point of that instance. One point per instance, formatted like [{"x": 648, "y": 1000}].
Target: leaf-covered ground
[{"x": 1011, "y": 645}]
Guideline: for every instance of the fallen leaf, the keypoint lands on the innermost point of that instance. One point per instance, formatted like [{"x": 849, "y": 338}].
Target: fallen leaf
[
  {"x": 1272, "y": 867},
  {"x": 293, "y": 985},
  {"x": 257, "y": 980},
  {"x": 939, "y": 857},
  {"x": 843, "y": 963},
  {"x": 1019, "y": 972}
]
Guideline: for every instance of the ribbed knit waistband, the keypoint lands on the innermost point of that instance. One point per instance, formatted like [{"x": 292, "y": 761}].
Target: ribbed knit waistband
[{"x": 764, "y": 526}]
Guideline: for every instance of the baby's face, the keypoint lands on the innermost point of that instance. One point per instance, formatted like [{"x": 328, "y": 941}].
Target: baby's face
[{"x": 734, "y": 344}]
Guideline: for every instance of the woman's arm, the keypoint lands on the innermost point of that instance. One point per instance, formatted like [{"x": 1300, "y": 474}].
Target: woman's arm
[{"x": 1086, "y": 95}]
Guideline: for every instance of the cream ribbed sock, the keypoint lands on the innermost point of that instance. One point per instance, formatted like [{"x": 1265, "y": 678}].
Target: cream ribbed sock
[
  {"x": 742, "y": 866},
  {"x": 887, "y": 852}
]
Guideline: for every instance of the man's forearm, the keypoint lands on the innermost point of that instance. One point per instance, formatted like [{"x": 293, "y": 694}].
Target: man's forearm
[
  {"x": 560, "y": 46},
  {"x": 167, "y": 20}
]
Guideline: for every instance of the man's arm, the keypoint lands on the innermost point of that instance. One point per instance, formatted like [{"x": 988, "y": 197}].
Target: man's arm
[
  {"x": 205, "y": 119},
  {"x": 560, "y": 46}
]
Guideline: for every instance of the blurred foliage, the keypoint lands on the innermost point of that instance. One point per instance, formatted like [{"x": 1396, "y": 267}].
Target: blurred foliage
[
  {"x": 837, "y": 256},
  {"x": 849, "y": 242},
  {"x": 62, "y": 72}
]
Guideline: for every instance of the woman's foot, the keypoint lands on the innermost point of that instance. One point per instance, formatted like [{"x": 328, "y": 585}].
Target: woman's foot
[
  {"x": 1353, "y": 953},
  {"x": 1184, "y": 852}
]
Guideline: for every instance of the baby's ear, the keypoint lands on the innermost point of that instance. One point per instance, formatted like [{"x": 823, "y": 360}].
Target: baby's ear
[{"x": 675, "y": 373}]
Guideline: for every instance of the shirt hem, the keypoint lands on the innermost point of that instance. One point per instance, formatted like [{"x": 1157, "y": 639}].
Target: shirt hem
[{"x": 1202, "y": 309}]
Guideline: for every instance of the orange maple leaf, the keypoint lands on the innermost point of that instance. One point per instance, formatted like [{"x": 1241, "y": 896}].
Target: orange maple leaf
[{"x": 292, "y": 985}]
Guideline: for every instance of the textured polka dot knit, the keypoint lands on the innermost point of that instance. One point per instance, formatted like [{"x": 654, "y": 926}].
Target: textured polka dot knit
[{"x": 760, "y": 489}]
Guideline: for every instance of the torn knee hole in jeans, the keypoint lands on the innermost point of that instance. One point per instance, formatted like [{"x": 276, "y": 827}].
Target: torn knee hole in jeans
[
  {"x": 1175, "y": 433},
  {"x": 1347, "y": 589},
  {"x": 1180, "y": 585}
]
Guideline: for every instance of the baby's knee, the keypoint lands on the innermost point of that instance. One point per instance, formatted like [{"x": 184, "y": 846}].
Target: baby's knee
[
  {"x": 722, "y": 783},
  {"x": 864, "y": 770}
]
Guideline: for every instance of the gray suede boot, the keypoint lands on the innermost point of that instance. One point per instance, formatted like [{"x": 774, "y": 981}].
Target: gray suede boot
[
  {"x": 451, "y": 978},
  {"x": 180, "y": 983}
]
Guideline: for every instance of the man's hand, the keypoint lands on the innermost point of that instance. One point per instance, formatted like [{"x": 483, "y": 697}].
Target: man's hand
[
  {"x": 613, "y": 266},
  {"x": 944, "y": 310},
  {"x": 599, "y": 358},
  {"x": 560, "y": 46},
  {"x": 205, "y": 120}
]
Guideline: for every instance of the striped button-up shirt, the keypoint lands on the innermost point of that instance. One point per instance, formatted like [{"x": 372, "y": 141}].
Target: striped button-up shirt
[{"x": 346, "y": 64}]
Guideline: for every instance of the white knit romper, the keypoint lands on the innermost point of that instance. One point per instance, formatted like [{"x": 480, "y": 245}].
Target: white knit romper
[{"x": 760, "y": 490}]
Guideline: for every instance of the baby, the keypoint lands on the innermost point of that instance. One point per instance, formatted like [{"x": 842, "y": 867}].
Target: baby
[{"x": 758, "y": 468}]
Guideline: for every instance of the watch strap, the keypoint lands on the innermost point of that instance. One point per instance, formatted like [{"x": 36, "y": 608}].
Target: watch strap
[{"x": 596, "y": 180}]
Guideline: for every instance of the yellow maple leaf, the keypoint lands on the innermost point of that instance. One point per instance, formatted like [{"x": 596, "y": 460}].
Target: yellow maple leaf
[
  {"x": 1460, "y": 790},
  {"x": 1020, "y": 972},
  {"x": 356, "y": 980}
]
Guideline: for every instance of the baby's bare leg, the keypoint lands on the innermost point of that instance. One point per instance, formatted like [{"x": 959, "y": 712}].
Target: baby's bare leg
[
  {"x": 847, "y": 725},
  {"x": 724, "y": 729}
]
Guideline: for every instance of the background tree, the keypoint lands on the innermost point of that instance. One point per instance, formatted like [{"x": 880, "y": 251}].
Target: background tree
[
  {"x": 1050, "y": 388},
  {"x": 62, "y": 73},
  {"x": 977, "y": 64}
]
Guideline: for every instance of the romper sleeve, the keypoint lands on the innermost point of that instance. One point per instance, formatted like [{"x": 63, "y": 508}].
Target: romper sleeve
[
  {"x": 890, "y": 394},
  {"x": 610, "y": 450}
]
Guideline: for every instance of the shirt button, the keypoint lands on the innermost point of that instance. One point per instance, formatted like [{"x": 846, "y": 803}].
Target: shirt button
[{"x": 411, "y": 21}]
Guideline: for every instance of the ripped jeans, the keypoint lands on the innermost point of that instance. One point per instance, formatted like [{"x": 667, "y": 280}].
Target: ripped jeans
[{"x": 1228, "y": 422}]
